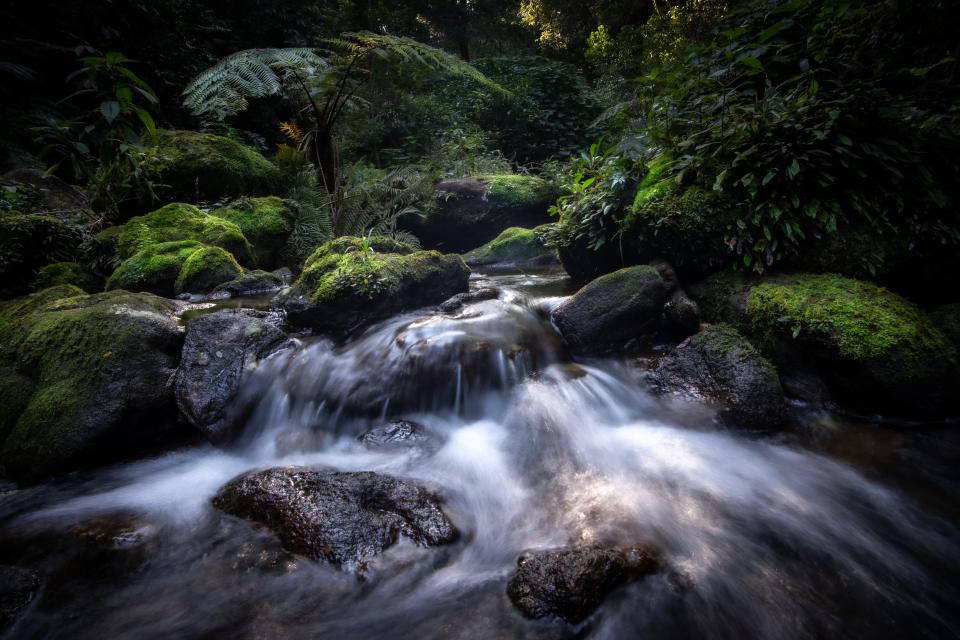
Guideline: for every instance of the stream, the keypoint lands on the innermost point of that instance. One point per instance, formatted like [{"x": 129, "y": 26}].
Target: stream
[{"x": 836, "y": 527}]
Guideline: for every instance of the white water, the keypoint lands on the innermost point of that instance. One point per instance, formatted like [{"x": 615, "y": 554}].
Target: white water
[{"x": 763, "y": 539}]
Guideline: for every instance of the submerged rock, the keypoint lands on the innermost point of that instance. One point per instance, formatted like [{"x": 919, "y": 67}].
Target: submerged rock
[
  {"x": 467, "y": 212},
  {"x": 349, "y": 282},
  {"x": 17, "y": 588},
  {"x": 514, "y": 248},
  {"x": 399, "y": 434},
  {"x": 613, "y": 310},
  {"x": 457, "y": 302},
  {"x": 346, "y": 518},
  {"x": 721, "y": 366},
  {"x": 219, "y": 350},
  {"x": 571, "y": 582},
  {"x": 85, "y": 378},
  {"x": 875, "y": 350}
]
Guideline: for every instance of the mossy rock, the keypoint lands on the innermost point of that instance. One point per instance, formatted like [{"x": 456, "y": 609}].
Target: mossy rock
[
  {"x": 265, "y": 222},
  {"x": 468, "y": 212},
  {"x": 514, "y": 247},
  {"x": 68, "y": 273},
  {"x": 347, "y": 282},
  {"x": 206, "y": 268},
  {"x": 32, "y": 190},
  {"x": 178, "y": 221},
  {"x": 85, "y": 378},
  {"x": 28, "y": 242},
  {"x": 203, "y": 167},
  {"x": 615, "y": 309},
  {"x": 876, "y": 350}
]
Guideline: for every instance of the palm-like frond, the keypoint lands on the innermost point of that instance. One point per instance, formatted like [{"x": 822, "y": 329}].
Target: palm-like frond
[{"x": 226, "y": 88}]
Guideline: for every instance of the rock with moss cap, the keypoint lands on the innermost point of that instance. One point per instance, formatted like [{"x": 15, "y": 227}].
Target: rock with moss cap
[
  {"x": 720, "y": 366},
  {"x": 68, "y": 273},
  {"x": 515, "y": 247},
  {"x": 351, "y": 281},
  {"x": 206, "y": 268},
  {"x": 469, "y": 212},
  {"x": 614, "y": 309},
  {"x": 265, "y": 222},
  {"x": 154, "y": 269},
  {"x": 875, "y": 350},
  {"x": 203, "y": 167},
  {"x": 87, "y": 378}
]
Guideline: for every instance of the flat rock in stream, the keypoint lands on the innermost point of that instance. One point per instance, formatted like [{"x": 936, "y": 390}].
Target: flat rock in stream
[
  {"x": 221, "y": 348},
  {"x": 398, "y": 434},
  {"x": 571, "y": 582},
  {"x": 458, "y": 301},
  {"x": 346, "y": 518},
  {"x": 17, "y": 588}
]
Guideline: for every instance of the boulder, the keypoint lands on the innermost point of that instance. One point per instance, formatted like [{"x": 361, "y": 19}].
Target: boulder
[
  {"x": 265, "y": 222},
  {"x": 682, "y": 315},
  {"x": 457, "y": 302},
  {"x": 875, "y": 350},
  {"x": 251, "y": 283},
  {"x": 571, "y": 582},
  {"x": 398, "y": 434},
  {"x": 17, "y": 588},
  {"x": 514, "y": 248},
  {"x": 721, "y": 366},
  {"x": 468, "y": 212},
  {"x": 348, "y": 282},
  {"x": 612, "y": 310},
  {"x": 34, "y": 191},
  {"x": 205, "y": 269},
  {"x": 28, "y": 242},
  {"x": 73, "y": 273},
  {"x": 346, "y": 518},
  {"x": 86, "y": 378},
  {"x": 203, "y": 167},
  {"x": 219, "y": 350}
]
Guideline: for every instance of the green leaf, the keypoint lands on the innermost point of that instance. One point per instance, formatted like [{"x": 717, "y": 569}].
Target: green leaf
[{"x": 110, "y": 110}]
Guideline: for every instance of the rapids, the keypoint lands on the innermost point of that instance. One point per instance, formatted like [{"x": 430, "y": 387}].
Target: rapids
[{"x": 831, "y": 529}]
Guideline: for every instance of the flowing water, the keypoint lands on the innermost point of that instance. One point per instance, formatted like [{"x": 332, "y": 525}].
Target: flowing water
[{"x": 829, "y": 530}]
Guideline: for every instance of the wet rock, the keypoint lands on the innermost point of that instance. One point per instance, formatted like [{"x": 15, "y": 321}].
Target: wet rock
[
  {"x": 719, "y": 365},
  {"x": 121, "y": 531},
  {"x": 251, "y": 283},
  {"x": 514, "y": 248},
  {"x": 219, "y": 350},
  {"x": 349, "y": 282},
  {"x": 398, "y": 434},
  {"x": 84, "y": 378},
  {"x": 571, "y": 582},
  {"x": 455, "y": 303},
  {"x": 612, "y": 310},
  {"x": 17, "y": 588},
  {"x": 346, "y": 518},
  {"x": 682, "y": 315}
]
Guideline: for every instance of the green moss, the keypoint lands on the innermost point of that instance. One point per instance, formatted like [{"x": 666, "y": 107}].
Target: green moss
[
  {"x": 517, "y": 191},
  {"x": 655, "y": 183},
  {"x": 713, "y": 295},
  {"x": 861, "y": 320},
  {"x": 155, "y": 268},
  {"x": 179, "y": 221},
  {"x": 27, "y": 243},
  {"x": 512, "y": 245},
  {"x": 347, "y": 244},
  {"x": 204, "y": 269},
  {"x": 208, "y": 167},
  {"x": 68, "y": 273},
  {"x": 265, "y": 222}
]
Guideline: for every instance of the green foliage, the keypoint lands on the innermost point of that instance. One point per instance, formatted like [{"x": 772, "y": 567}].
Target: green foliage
[
  {"x": 108, "y": 140},
  {"x": 27, "y": 243},
  {"x": 73, "y": 273}
]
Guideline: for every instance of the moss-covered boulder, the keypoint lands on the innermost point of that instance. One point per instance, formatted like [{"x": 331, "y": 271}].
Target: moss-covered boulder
[
  {"x": 68, "y": 273},
  {"x": 206, "y": 268},
  {"x": 86, "y": 378},
  {"x": 265, "y": 222},
  {"x": 180, "y": 221},
  {"x": 28, "y": 242},
  {"x": 350, "y": 281},
  {"x": 721, "y": 366},
  {"x": 468, "y": 212},
  {"x": 32, "y": 190},
  {"x": 515, "y": 247},
  {"x": 616, "y": 309},
  {"x": 876, "y": 350},
  {"x": 203, "y": 167},
  {"x": 251, "y": 283}
]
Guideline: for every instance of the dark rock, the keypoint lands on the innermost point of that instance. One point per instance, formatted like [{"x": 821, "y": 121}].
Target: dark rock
[
  {"x": 721, "y": 366},
  {"x": 399, "y": 434},
  {"x": 612, "y": 310},
  {"x": 251, "y": 283},
  {"x": 514, "y": 248},
  {"x": 669, "y": 275},
  {"x": 220, "y": 349},
  {"x": 85, "y": 379},
  {"x": 682, "y": 314},
  {"x": 946, "y": 318},
  {"x": 571, "y": 582},
  {"x": 17, "y": 588},
  {"x": 346, "y": 518},
  {"x": 458, "y": 301},
  {"x": 120, "y": 531},
  {"x": 34, "y": 191}
]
